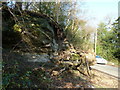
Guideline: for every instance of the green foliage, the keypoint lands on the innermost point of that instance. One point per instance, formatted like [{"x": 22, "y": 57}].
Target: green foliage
[
  {"x": 103, "y": 43},
  {"x": 116, "y": 38},
  {"x": 17, "y": 28},
  {"x": 78, "y": 35},
  {"x": 17, "y": 78},
  {"x": 108, "y": 42}
]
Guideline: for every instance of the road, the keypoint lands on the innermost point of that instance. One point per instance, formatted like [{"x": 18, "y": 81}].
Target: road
[{"x": 114, "y": 71}]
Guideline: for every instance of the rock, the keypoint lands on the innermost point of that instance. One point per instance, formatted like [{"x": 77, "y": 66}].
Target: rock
[
  {"x": 39, "y": 58},
  {"x": 68, "y": 57},
  {"x": 33, "y": 57},
  {"x": 76, "y": 73},
  {"x": 67, "y": 63},
  {"x": 54, "y": 73},
  {"x": 90, "y": 86},
  {"x": 78, "y": 86},
  {"x": 54, "y": 45}
]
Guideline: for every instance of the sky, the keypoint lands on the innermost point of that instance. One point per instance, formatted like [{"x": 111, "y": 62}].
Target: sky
[{"x": 100, "y": 11}]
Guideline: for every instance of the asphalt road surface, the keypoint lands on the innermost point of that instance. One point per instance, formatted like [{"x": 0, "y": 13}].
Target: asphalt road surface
[{"x": 114, "y": 71}]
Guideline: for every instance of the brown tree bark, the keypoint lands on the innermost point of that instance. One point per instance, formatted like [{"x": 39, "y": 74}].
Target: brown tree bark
[{"x": 18, "y": 5}]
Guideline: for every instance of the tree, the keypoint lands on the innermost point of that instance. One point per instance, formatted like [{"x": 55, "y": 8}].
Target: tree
[
  {"x": 116, "y": 38},
  {"x": 108, "y": 43}
]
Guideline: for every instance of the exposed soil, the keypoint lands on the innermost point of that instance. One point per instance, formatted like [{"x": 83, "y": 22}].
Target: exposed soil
[
  {"x": 77, "y": 80},
  {"x": 102, "y": 80},
  {"x": 70, "y": 80}
]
